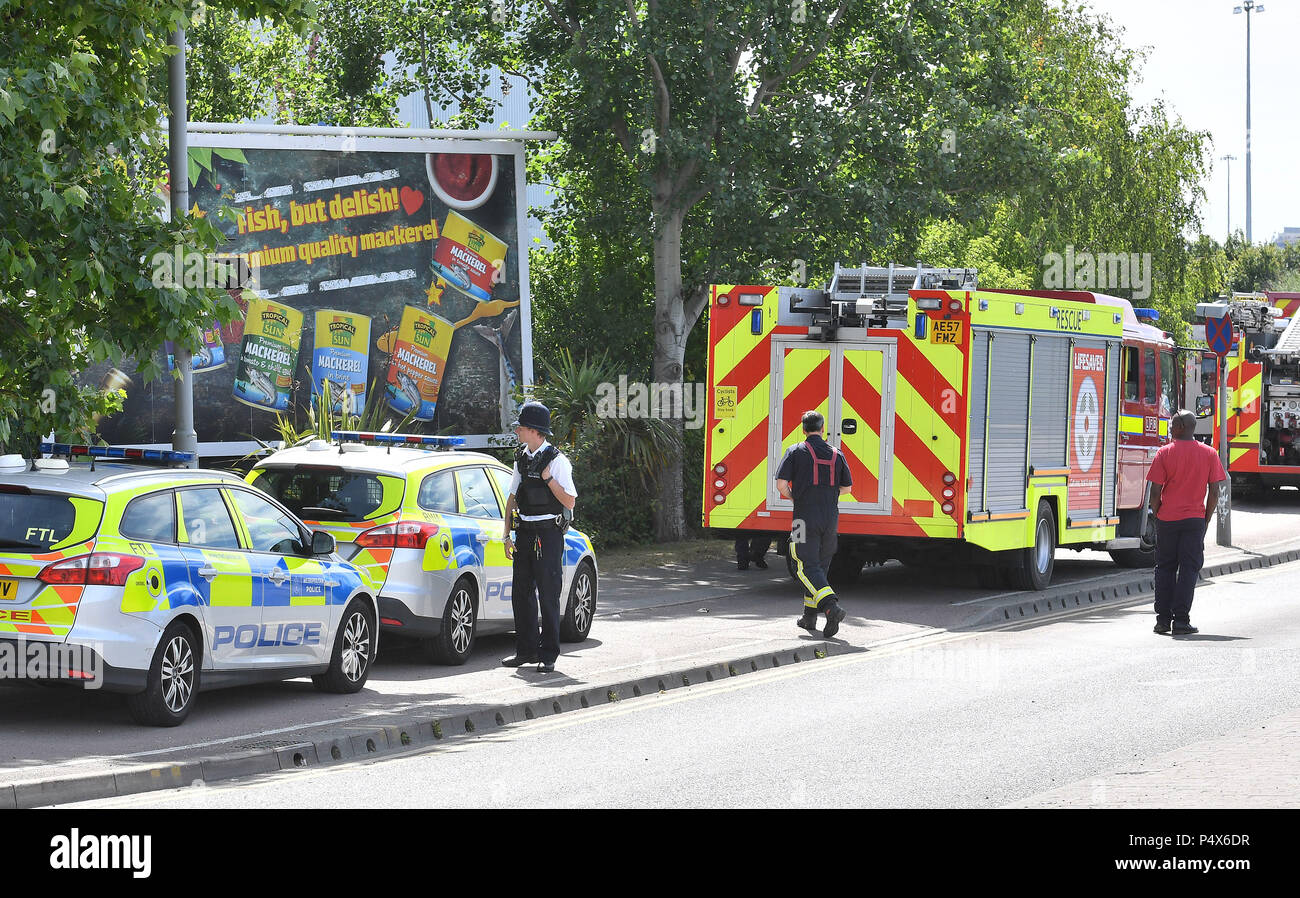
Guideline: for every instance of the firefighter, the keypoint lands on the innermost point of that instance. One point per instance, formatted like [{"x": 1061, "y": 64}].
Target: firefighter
[
  {"x": 543, "y": 493},
  {"x": 752, "y": 548},
  {"x": 814, "y": 474}
]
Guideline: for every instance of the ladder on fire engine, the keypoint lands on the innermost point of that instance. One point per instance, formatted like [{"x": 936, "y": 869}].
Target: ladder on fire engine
[{"x": 1289, "y": 342}]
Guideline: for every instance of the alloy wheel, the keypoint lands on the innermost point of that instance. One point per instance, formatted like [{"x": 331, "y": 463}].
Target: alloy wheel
[
  {"x": 356, "y": 646},
  {"x": 177, "y": 674}
]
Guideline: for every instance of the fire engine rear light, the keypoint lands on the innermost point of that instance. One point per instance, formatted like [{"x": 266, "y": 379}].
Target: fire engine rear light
[
  {"x": 947, "y": 508},
  {"x": 930, "y": 304},
  {"x": 724, "y": 299},
  {"x": 949, "y": 478},
  {"x": 99, "y": 569},
  {"x": 719, "y": 498},
  {"x": 719, "y": 484},
  {"x": 955, "y": 305},
  {"x": 751, "y": 299},
  {"x": 949, "y": 493},
  {"x": 719, "y": 469},
  {"x": 401, "y": 535}
]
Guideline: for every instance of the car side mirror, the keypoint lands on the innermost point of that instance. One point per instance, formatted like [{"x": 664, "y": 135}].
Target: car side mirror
[
  {"x": 1204, "y": 406},
  {"x": 322, "y": 543}
]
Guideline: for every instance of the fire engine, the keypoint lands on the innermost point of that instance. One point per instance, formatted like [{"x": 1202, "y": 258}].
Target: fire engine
[
  {"x": 982, "y": 427},
  {"x": 1263, "y": 371}
]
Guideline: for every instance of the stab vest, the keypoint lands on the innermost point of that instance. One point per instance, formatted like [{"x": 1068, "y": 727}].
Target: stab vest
[{"x": 535, "y": 497}]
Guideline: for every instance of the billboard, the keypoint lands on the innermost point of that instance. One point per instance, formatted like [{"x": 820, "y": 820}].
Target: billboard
[{"x": 385, "y": 269}]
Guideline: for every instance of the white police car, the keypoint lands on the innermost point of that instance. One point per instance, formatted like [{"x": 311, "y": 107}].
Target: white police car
[
  {"x": 163, "y": 583},
  {"x": 428, "y": 528}
]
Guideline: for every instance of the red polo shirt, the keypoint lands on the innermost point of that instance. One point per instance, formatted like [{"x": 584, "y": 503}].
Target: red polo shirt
[{"x": 1185, "y": 469}]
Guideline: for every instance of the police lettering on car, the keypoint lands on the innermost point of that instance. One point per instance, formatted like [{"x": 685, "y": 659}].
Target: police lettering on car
[
  {"x": 814, "y": 475},
  {"x": 543, "y": 493}
]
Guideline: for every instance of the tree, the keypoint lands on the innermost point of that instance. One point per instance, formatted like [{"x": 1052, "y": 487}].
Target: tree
[{"x": 81, "y": 163}]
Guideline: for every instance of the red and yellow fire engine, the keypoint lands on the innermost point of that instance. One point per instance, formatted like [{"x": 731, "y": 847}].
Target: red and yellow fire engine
[{"x": 985, "y": 427}]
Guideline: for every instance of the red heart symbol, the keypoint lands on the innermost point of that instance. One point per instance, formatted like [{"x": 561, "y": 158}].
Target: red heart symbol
[{"x": 412, "y": 200}]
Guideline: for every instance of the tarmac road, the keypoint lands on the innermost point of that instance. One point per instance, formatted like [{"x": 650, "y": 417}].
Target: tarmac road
[{"x": 979, "y": 719}]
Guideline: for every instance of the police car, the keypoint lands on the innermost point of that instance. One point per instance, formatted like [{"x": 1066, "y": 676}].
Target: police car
[
  {"x": 428, "y": 527},
  {"x": 161, "y": 583}
]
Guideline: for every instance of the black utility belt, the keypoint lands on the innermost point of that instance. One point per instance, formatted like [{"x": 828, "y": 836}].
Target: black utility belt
[{"x": 556, "y": 523}]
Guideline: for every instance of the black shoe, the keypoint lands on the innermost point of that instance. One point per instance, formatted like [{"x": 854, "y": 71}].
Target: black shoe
[
  {"x": 543, "y": 667},
  {"x": 834, "y": 614},
  {"x": 516, "y": 661},
  {"x": 1185, "y": 630},
  {"x": 808, "y": 621},
  {"x": 1161, "y": 627},
  {"x": 760, "y": 563},
  {"x": 742, "y": 565}
]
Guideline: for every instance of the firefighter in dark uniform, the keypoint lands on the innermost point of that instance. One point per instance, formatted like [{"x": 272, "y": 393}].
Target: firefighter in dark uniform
[
  {"x": 815, "y": 474},
  {"x": 752, "y": 548},
  {"x": 543, "y": 493}
]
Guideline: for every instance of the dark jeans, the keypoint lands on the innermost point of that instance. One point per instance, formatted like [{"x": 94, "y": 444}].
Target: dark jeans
[
  {"x": 1180, "y": 552},
  {"x": 752, "y": 548},
  {"x": 812, "y": 558},
  {"x": 545, "y": 575}
]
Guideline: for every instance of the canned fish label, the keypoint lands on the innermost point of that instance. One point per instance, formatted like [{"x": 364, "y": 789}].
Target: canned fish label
[
  {"x": 468, "y": 257},
  {"x": 419, "y": 357},
  {"x": 208, "y": 357},
  {"x": 264, "y": 377},
  {"x": 340, "y": 359}
]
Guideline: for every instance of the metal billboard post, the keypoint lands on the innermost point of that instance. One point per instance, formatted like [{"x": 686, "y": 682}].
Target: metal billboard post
[
  {"x": 184, "y": 438},
  {"x": 1218, "y": 332}
]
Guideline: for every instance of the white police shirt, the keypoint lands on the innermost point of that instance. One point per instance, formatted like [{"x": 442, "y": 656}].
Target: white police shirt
[{"x": 561, "y": 473}]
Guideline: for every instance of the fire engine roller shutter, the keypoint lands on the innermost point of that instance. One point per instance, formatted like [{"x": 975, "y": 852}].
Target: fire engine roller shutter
[
  {"x": 1008, "y": 411},
  {"x": 979, "y": 370},
  {"x": 1050, "y": 401}
]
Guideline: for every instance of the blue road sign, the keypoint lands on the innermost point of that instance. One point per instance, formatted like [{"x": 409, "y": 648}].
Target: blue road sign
[{"x": 1218, "y": 334}]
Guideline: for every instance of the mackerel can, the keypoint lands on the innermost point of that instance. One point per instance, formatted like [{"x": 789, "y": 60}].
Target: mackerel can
[
  {"x": 340, "y": 359},
  {"x": 468, "y": 257},
  {"x": 418, "y": 363},
  {"x": 209, "y": 357},
  {"x": 264, "y": 377}
]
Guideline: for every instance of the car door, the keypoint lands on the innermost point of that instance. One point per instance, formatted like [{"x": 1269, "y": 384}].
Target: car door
[
  {"x": 481, "y": 508},
  {"x": 221, "y": 572},
  {"x": 295, "y": 588}
]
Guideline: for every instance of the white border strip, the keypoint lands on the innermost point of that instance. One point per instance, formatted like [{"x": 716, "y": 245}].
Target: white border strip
[{"x": 335, "y": 131}]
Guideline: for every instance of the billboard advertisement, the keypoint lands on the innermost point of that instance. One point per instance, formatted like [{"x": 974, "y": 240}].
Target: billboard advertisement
[{"x": 386, "y": 270}]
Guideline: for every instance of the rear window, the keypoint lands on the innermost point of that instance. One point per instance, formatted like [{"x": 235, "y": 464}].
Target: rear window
[
  {"x": 324, "y": 495},
  {"x": 34, "y": 522}
]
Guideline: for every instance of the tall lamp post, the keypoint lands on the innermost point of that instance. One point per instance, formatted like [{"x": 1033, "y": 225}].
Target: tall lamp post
[
  {"x": 1248, "y": 6},
  {"x": 184, "y": 438},
  {"x": 1229, "y": 159}
]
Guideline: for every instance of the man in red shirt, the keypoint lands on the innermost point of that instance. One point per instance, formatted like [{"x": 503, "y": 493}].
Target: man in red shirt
[{"x": 1180, "y": 475}]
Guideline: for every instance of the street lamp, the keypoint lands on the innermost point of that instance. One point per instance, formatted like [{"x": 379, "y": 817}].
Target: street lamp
[
  {"x": 1230, "y": 159},
  {"x": 1247, "y": 7}
]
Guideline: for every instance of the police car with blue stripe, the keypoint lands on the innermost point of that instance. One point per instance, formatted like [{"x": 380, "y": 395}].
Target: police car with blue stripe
[
  {"x": 161, "y": 583},
  {"x": 428, "y": 527}
]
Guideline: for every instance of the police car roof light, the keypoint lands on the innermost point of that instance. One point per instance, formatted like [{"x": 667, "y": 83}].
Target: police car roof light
[
  {"x": 396, "y": 439},
  {"x": 158, "y": 456},
  {"x": 1147, "y": 314}
]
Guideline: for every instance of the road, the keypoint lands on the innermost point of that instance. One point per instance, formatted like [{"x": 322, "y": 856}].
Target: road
[{"x": 978, "y": 719}]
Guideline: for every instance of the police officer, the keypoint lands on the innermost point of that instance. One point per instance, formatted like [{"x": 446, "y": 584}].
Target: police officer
[
  {"x": 815, "y": 474},
  {"x": 542, "y": 491}
]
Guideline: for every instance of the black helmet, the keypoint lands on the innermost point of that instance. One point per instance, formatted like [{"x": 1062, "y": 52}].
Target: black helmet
[{"x": 536, "y": 416}]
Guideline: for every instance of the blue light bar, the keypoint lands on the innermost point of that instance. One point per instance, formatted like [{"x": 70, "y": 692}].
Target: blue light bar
[
  {"x": 395, "y": 439},
  {"x": 1147, "y": 314},
  {"x": 165, "y": 456}
]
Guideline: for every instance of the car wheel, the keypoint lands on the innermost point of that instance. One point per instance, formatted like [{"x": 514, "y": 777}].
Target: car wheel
[
  {"x": 172, "y": 680},
  {"x": 354, "y": 650},
  {"x": 582, "y": 605},
  {"x": 455, "y": 642}
]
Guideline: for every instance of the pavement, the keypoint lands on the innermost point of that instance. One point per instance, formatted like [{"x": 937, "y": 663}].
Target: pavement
[{"x": 656, "y": 630}]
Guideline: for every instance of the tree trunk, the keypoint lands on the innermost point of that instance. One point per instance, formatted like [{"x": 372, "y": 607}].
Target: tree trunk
[{"x": 671, "y": 330}]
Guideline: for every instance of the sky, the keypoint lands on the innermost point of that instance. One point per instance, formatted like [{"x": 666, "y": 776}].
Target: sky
[{"x": 1197, "y": 63}]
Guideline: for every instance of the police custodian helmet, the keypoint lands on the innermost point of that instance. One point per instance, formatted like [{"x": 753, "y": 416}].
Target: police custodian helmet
[{"x": 536, "y": 416}]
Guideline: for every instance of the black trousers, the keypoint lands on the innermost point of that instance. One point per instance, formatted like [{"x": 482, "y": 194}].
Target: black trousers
[
  {"x": 752, "y": 548},
  {"x": 1180, "y": 552},
  {"x": 812, "y": 559},
  {"x": 541, "y": 572}
]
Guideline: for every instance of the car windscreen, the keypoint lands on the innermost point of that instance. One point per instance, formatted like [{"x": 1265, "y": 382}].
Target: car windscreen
[
  {"x": 323, "y": 494},
  {"x": 34, "y": 521}
]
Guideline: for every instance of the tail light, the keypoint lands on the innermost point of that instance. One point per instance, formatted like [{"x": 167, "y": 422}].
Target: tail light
[
  {"x": 719, "y": 484},
  {"x": 719, "y": 469},
  {"x": 99, "y": 569},
  {"x": 719, "y": 498},
  {"x": 949, "y": 478},
  {"x": 947, "y": 508},
  {"x": 401, "y": 535}
]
